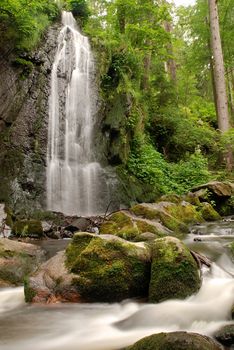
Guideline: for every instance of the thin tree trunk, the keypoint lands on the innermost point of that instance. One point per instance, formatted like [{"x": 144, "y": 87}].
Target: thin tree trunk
[
  {"x": 170, "y": 64},
  {"x": 219, "y": 73}
]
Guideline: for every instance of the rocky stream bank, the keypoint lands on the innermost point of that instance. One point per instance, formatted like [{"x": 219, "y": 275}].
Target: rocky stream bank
[{"x": 135, "y": 253}]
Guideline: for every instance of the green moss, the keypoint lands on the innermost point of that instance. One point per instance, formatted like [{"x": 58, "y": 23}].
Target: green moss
[
  {"x": 108, "y": 271},
  {"x": 173, "y": 272},
  {"x": 173, "y": 198},
  {"x": 145, "y": 212},
  {"x": 121, "y": 225},
  {"x": 25, "y": 228},
  {"x": 175, "y": 217},
  {"x": 29, "y": 293},
  {"x": 144, "y": 226},
  {"x": 208, "y": 212},
  {"x": 79, "y": 242},
  {"x": 185, "y": 212}
]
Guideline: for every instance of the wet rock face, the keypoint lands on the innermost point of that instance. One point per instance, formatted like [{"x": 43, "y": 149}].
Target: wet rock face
[
  {"x": 176, "y": 341},
  {"x": 24, "y": 92}
]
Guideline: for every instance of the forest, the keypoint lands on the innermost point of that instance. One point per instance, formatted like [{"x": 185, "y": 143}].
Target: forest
[
  {"x": 157, "y": 75},
  {"x": 116, "y": 175}
]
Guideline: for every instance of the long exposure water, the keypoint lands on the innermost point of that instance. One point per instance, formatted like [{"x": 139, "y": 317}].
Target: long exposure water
[
  {"x": 113, "y": 326},
  {"x": 76, "y": 182}
]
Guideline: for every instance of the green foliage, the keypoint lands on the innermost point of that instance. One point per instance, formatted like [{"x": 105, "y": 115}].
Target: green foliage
[
  {"x": 23, "y": 22},
  {"x": 150, "y": 167},
  {"x": 79, "y": 9}
]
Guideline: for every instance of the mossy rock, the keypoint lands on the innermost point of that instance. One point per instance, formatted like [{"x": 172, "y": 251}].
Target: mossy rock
[
  {"x": 176, "y": 341},
  {"x": 208, "y": 212},
  {"x": 25, "y": 228},
  {"x": 174, "y": 272},
  {"x": 10, "y": 217},
  {"x": 164, "y": 212},
  {"x": 192, "y": 198},
  {"x": 17, "y": 260},
  {"x": 173, "y": 198},
  {"x": 120, "y": 224},
  {"x": 108, "y": 268},
  {"x": 144, "y": 226}
]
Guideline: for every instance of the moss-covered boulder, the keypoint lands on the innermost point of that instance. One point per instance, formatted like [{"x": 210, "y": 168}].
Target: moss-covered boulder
[
  {"x": 208, "y": 212},
  {"x": 121, "y": 225},
  {"x": 174, "y": 216},
  {"x": 220, "y": 193},
  {"x": 174, "y": 272},
  {"x": 226, "y": 335},
  {"x": 125, "y": 225},
  {"x": 17, "y": 260},
  {"x": 176, "y": 341},
  {"x": 25, "y": 228},
  {"x": 108, "y": 268}
]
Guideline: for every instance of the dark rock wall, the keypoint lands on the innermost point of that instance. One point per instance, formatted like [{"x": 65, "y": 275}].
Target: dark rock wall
[{"x": 24, "y": 95}]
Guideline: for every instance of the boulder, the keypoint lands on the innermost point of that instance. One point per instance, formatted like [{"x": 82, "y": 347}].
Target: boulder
[
  {"x": 208, "y": 212},
  {"x": 51, "y": 283},
  {"x": 94, "y": 268},
  {"x": 17, "y": 260},
  {"x": 32, "y": 228},
  {"x": 220, "y": 189},
  {"x": 226, "y": 335},
  {"x": 108, "y": 268},
  {"x": 176, "y": 341},
  {"x": 174, "y": 272},
  {"x": 173, "y": 216},
  {"x": 220, "y": 193},
  {"x": 125, "y": 225},
  {"x": 80, "y": 224}
]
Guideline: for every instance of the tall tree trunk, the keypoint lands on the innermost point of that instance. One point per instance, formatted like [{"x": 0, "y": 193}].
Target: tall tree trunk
[
  {"x": 219, "y": 77},
  {"x": 219, "y": 73},
  {"x": 170, "y": 64}
]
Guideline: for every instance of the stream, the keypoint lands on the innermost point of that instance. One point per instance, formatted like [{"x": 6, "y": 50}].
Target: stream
[{"x": 114, "y": 326}]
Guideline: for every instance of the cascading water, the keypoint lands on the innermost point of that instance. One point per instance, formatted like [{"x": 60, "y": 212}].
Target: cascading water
[
  {"x": 115, "y": 326},
  {"x": 76, "y": 182}
]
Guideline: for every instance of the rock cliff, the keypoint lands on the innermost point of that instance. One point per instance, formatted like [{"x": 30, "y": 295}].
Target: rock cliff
[{"x": 24, "y": 94}]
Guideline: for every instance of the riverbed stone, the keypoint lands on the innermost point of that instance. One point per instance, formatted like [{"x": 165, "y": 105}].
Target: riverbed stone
[
  {"x": 17, "y": 260},
  {"x": 219, "y": 193},
  {"x": 108, "y": 268},
  {"x": 226, "y": 335},
  {"x": 25, "y": 228},
  {"x": 51, "y": 283},
  {"x": 208, "y": 212},
  {"x": 176, "y": 341},
  {"x": 174, "y": 272},
  {"x": 128, "y": 226},
  {"x": 174, "y": 216}
]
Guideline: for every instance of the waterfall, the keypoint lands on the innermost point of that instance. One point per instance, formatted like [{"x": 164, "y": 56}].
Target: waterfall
[{"x": 76, "y": 182}]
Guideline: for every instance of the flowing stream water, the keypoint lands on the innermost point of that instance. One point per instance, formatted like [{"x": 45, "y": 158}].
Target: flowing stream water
[
  {"x": 114, "y": 326},
  {"x": 76, "y": 182}
]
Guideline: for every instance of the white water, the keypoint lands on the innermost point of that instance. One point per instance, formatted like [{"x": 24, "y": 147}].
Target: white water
[
  {"x": 76, "y": 182},
  {"x": 107, "y": 327},
  {"x": 115, "y": 326}
]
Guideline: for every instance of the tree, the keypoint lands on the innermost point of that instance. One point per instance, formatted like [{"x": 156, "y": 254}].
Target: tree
[{"x": 219, "y": 72}]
